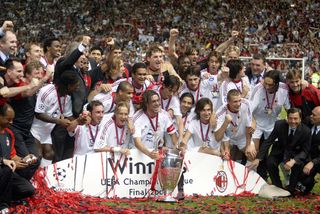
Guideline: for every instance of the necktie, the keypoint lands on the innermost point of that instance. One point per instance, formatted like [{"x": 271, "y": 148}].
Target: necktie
[
  {"x": 290, "y": 137},
  {"x": 258, "y": 79},
  {"x": 314, "y": 132}
]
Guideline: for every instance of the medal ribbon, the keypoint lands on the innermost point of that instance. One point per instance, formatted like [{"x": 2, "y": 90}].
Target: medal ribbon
[
  {"x": 267, "y": 98},
  {"x": 59, "y": 102},
  {"x": 117, "y": 135},
  {"x": 93, "y": 138},
  {"x": 206, "y": 138},
  {"x": 153, "y": 127}
]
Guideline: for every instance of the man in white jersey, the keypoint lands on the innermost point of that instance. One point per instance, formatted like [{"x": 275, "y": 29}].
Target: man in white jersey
[
  {"x": 267, "y": 100},
  {"x": 170, "y": 102},
  {"x": 124, "y": 93},
  {"x": 115, "y": 135},
  {"x": 138, "y": 81},
  {"x": 234, "y": 121},
  {"x": 201, "y": 129},
  {"x": 200, "y": 88},
  {"x": 237, "y": 80},
  {"x": 53, "y": 107},
  {"x": 86, "y": 134},
  {"x": 151, "y": 122}
]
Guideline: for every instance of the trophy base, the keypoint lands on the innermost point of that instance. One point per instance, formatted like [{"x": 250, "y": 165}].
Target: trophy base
[{"x": 167, "y": 199}]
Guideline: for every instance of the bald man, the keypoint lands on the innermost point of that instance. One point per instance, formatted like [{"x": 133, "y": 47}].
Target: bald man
[{"x": 312, "y": 166}]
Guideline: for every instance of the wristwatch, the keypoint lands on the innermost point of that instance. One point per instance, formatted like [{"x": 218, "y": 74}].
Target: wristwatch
[{"x": 1, "y": 161}]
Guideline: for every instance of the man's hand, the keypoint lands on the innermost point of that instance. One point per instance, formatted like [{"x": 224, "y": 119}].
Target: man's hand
[
  {"x": 4, "y": 91},
  {"x": 289, "y": 164},
  {"x": 307, "y": 168},
  {"x": 251, "y": 151},
  {"x": 225, "y": 155},
  {"x": 125, "y": 151},
  {"x": 154, "y": 155},
  {"x": 34, "y": 83},
  {"x": 174, "y": 33},
  {"x": 228, "y": 118},
  {"x": 109, "y": 41},
  {"x": 7, "y": 26},
  {"x": 105, "y": 88},
  {"x": 10, "y": 163},
  {"x": 213, "y": 120},
  {"x": 86, "y": 40},
  {"x": 245, "y": 90},
  {"x": 131, "y": 126},
  {"x": 21, "y": 164},
  {"x": 254, "y": 164},
  {"x": 49, "y": 72},
  {"x": 64, "y": 122},
  {"x": 171, "y": 113}
]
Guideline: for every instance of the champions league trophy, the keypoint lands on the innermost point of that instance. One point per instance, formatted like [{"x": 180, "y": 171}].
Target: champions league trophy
[{"x": 169, "y": 173}]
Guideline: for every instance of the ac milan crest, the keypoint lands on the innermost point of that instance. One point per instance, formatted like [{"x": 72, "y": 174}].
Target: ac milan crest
[{"x": 221, "y": 181}]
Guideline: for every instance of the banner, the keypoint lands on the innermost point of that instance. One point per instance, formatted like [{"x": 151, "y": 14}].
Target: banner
[{"x": 108, "y": 175}]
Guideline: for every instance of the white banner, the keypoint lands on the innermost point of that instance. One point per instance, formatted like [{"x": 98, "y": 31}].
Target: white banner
[{"x": 101, "y": 174}]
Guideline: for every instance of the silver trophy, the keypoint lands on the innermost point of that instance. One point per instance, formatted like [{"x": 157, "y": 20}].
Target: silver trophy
[{"x": 169, "y": 173}]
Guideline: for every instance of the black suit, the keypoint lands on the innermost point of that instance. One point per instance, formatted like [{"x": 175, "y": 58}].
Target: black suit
[
  {"x": 62, "y": 143},
  {"x": 79, "y": 96},
  {"x": 2, "y": 63},
  {"x": 283, "y": 151},
  {"x": 314, "y": 156}
]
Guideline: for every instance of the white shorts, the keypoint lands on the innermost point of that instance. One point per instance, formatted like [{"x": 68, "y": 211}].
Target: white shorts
[
  {"x": 42, "y": 132},
  {"x": 241, "y": 143},
  {"x": 259, "y": 132}
]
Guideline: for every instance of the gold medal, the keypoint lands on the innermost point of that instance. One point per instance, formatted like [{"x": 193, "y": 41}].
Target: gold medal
[
  {"x": 8, "y": 142},
  {"x": 269, "y": 111}
]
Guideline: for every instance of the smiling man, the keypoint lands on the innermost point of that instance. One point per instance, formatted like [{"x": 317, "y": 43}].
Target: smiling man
[
  {"x": 292, "y": 148},
  {"x": 234, "y": 121},
  {"x": 304, "y": 98},
  {"x": 151, "y": 123},
  {"x": 267, "y": 100}
]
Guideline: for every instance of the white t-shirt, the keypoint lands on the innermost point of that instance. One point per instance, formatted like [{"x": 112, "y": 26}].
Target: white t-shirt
[
  {"x": 113, "y": 136},
  {"x": 236, "y": 130},
  {"x": 170, "y": 103},
  {"x": 136, "y": 90},
  {"x": 266, "y": 107},
  {"x": 85, "y": 137},
  {"x": 109, "y": 104},
  {"x": 205, "y": 89},
  {"x": 48, "y": 103},
  {"x": 202, "y": 135},
  {"x": 151, "y": 130},
  {"x": 228, "y": 85}
]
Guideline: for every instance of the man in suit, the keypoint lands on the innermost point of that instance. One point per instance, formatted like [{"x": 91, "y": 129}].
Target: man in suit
[
  {"x": 292, "y": 148},
  {"x": 71, "y": 62},
  {"x": 8, "y": 42},
  {"x": 312, "y": 166},
  {"x": 257, "y": 69}
]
